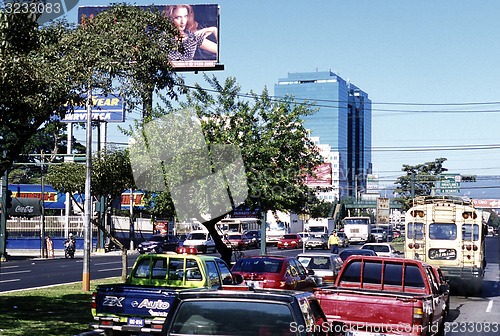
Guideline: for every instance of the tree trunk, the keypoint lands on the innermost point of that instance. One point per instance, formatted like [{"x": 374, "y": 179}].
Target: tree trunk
[{"x": 124, "y": 264}]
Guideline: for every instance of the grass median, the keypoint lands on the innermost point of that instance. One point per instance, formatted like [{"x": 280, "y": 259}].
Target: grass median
[{"x": 59, "y": 310}]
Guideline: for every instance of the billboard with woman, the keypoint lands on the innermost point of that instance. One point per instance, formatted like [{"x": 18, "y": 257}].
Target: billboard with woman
[{"x": 198, "y": 26}]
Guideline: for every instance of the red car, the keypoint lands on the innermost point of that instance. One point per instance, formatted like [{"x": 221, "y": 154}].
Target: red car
[
  {"x": 280, "y": 272},
  {"x": 290, "y": 240},
  {"x": 238, "y": 241}
]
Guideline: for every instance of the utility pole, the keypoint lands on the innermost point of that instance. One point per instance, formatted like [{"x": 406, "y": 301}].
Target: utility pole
[{"x": 87, "y": 239}]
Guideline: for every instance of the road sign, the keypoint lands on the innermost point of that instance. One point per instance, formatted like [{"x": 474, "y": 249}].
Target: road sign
[{"x": 449, "y": 183}]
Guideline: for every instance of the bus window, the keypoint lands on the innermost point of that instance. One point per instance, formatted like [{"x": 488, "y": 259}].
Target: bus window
[
  {"x": 443, "y": 231},
  {"x": 470, "y": 232},
  {"x": 415, "y": 231}
]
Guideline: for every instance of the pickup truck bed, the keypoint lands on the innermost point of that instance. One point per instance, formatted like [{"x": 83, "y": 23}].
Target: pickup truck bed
[{"x": 385, "y": 295}]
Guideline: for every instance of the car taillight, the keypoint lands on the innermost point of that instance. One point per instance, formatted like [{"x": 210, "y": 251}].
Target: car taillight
[
  {"x": 93, "y": 304},
  {"x": 418, "y": 315}
]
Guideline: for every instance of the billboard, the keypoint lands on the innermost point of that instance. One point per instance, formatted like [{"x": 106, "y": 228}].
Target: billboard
[
  {"x": 199, "y": 25},
  {"x": 323, "y": 176},
  {"x": 107, "y": 108}
]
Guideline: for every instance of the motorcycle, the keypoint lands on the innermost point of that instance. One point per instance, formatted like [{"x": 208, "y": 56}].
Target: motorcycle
[{"x": 69, "y": 249}]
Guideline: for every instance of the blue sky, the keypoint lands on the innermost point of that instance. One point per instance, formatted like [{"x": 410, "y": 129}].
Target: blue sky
[{"x": 442, "y": 52}]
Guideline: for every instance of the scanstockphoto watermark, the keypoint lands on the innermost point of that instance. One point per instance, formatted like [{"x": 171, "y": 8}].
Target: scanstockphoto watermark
[
  {"x": 44, "y": 10},
  {"x": 340, "y": 328}
]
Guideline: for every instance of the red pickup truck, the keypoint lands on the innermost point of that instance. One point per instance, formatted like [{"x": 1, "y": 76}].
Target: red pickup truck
[{"x": 380, "y": 295}]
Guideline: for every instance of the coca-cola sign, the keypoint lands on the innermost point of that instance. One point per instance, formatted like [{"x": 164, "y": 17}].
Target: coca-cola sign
[{"x": 25, "y": 207}]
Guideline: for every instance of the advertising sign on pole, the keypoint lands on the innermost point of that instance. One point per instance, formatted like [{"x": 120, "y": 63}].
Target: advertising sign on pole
[
  {"x": 383, "y": 210},
  {"x": 199, "y": 25}
]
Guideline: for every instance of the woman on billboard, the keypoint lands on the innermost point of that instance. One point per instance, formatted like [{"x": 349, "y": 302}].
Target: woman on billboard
[{"x": 192, "y": 38}]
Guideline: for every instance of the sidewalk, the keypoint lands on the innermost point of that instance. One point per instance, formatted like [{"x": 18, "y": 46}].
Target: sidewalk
[{"x": 16, "y": 254}]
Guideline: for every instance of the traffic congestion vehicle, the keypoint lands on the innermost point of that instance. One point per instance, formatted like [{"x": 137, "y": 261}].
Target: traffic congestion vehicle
[
  {"x": 238, "y": 241},
  {"x": 270, "y": 271},
  {"x": 159, "y": 244},
  {"x": 385, "y": 296},
  {"x": 326, "y": 266},
  {"x": 345, "y": 253},
  {"x": 316, "y": 241},
  {"x": 450, "y": 233},
  {"x": 379, "y": 234},
  {"x": 255, "y": 238},
  {"x": 290, "y": 241},
  {"x": 201, "y": 240},
  {"x": 343, "y": 240},
  {"x": 141, "y": 304},
  {"x": 382, "y": 249},
  {"x": 247, "y": 313}
]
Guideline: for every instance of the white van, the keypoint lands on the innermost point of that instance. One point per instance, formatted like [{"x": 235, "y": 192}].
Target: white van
[{"x": 202, "y": 240}]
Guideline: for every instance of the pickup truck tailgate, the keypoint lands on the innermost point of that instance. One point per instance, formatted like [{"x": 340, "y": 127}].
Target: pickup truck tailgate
[
  {"x": 389, "y": 311},
  {"x": 129, "y": 300}
]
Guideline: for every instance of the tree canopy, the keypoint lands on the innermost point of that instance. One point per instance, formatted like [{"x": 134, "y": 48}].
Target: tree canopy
[{"x": 418, "y": 181}]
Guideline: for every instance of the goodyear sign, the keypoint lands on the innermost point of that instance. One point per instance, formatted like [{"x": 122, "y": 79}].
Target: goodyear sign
[{"x": 108, "y": 108}]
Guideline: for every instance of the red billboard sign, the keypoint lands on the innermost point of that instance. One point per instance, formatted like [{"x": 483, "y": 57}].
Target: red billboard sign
[
  {"x": 199, "y": 28},
  {"x": 323, "y": 176}
]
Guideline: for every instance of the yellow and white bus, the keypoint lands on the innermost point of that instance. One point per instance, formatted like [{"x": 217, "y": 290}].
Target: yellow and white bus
[{"x": 448, "y": 232}]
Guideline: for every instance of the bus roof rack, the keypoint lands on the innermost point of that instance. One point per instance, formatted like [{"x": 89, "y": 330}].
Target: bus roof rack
[{"x": 463, "y": 200}]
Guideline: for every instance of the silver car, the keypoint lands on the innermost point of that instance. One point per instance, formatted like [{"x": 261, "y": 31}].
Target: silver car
[
  {"x": 316, "y": 241},
  {"x": 326, "y": 266},
  {"x": 343, "y": 240}
]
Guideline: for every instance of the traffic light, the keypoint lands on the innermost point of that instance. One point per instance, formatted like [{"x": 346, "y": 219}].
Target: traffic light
[{"x": 8, "y": 199}]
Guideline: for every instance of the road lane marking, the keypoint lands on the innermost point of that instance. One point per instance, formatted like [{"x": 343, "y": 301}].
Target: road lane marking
[
  {"x": 11, "y": 280},
  {"x": 107, "y": 263},
  {"x": 490, "y": 306},
  {"x": 15, "y": 272},
  {"x": 111, "y": 269}
]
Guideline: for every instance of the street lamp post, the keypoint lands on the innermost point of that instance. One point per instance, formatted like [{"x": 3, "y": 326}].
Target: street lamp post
[{"x": 88, "y": 198}]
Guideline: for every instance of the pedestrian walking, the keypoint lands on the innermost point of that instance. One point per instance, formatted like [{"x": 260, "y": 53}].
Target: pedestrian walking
[{"x": 50, "y": 247}]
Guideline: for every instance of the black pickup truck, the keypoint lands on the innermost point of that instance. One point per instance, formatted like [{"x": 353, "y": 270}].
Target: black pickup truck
[{"x": 248, "y": 312}]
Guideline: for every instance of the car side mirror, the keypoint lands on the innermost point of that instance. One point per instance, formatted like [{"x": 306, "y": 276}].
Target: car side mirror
[{"x": 310, "y": 272}]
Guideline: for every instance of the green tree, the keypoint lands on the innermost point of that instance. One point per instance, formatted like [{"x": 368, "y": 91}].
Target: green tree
[
  {"x": 419, "y": 179},
  {"x": 111, "y": 175},
  {"x": 275, "y": 149},
  {"x": 34, "y": 87}
]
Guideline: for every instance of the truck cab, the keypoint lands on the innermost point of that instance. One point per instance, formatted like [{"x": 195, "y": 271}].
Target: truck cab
[{"x": 141, "y": 304}]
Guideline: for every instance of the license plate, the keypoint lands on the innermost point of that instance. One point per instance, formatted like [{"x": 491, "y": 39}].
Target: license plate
[
  {"x": 254, "y": 284},
  {"x": 135, "y": 321}
]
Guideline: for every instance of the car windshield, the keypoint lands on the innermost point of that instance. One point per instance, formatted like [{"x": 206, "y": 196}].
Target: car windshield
[
  {"x": 197, "y": 236},
  {"x": 346, "y": 253},
  {"x": 289, "y": 237},
  {"x": 315, "y": 262},
  {"x": 234, "y": 237},
  {"x": 258, "y": 265}
]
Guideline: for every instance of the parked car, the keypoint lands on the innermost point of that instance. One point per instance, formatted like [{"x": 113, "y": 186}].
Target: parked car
[
  {"x": 280, "y": 272},
  {"x": 343, "y": 240},
  {"x": 396, "y": 234},
  {"x": 237, "y": 241},
  {"x": 326, "y": 266},
  {"x": 159, "y": 244},
  {"x": 382, "y": 249},
  {"x": 345, "y": 253},
  {"x": 255, "y": 238},
  {"x": 379, "y": 234},
  {"x": 316, "y": 241},
  {"x": 290, "y": 240}
]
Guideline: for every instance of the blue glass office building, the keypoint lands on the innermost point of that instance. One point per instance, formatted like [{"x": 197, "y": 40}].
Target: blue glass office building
[{"x": 343, "y": 122}]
